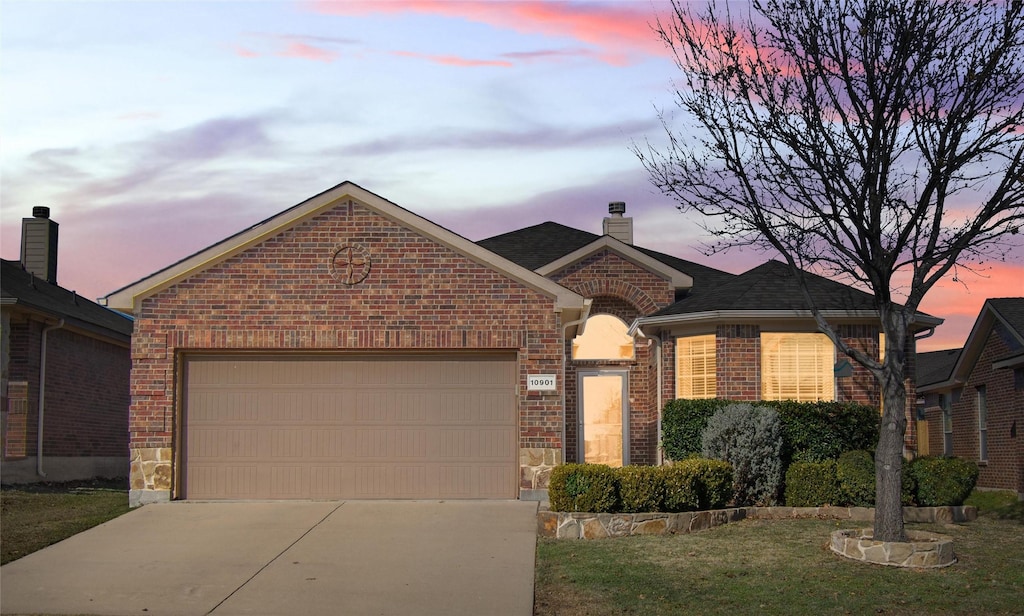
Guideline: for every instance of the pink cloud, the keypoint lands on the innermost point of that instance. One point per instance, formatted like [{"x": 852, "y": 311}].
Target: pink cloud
[
  {"x": 304, "y": 51},
  {"x": 621, "y": 32},
  {"x": 245, "y": 52},
  {"x": 452, "y": 60}
]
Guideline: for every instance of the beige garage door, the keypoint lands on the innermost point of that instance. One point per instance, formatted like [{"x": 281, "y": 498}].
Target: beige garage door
[{"x": 367, "y": 427}]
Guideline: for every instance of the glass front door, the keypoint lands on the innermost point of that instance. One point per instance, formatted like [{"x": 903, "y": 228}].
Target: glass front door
[{"x": 602, "y": 411}]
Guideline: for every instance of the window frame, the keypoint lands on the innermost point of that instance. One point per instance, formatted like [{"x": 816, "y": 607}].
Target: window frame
[
  {"x": 825, "y": 388},
  {"x": 982, "y": 405},
  {"x": 709, "y": 376}
]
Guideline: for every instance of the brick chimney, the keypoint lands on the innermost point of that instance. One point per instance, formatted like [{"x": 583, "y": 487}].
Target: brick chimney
[
  {"x": 616, "y": 225},
  {"x": 39, "y": 244}
]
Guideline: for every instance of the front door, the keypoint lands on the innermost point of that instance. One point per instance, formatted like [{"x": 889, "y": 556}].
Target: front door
[{"x": 603, "y": 407}]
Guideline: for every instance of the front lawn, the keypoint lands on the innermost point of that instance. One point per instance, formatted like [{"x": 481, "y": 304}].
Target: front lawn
[
  {"x": 35, "y": 516},
  {"x": 777, "y": 567}
]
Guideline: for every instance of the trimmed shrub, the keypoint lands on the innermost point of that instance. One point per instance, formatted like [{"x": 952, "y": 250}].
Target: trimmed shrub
[
  {"x": 641, "y": 488},
  {"x": 812, "y": 484},
  {"x": 942, "y": 481},
  {"x": 750, "y": 439},
  {"x": 855, "y": 471},
  {"x": 683, "y": 422},
  {"x": 811, "y": 431},
  {"x": 583, "y": 487},
  {"x": 697, "y": 484}
]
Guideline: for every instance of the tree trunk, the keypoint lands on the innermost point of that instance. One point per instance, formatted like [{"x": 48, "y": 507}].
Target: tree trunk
[{"x": 889, "y": 454}]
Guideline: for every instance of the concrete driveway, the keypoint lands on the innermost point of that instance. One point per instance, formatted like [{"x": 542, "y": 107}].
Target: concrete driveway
[{"x": 352, "y": 557}]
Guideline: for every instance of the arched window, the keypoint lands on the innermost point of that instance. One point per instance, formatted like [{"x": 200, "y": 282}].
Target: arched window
[{"x": 604, "y": 337}]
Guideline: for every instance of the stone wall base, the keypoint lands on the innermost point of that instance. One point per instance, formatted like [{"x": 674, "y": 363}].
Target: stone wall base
[{"x": 576, "y": 525}]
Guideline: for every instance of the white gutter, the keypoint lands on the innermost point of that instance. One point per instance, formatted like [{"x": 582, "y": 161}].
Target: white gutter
[
  {"x": 42, "y": 395},
  {"x": 565, "y": 360}
]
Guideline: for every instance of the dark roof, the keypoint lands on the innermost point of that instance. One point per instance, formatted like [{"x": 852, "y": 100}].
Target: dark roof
[
  {"x": 20, "y": 288},
  {"x": 772, "y": 286},
  {"x": 935, "y": 366},
  {"x": 536, "y": 246},
  {"x": 1011, "y": 309}
]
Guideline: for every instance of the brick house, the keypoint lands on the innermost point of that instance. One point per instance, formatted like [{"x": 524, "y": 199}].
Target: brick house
[
  {"x": 973, "y": 398},
  {"x": 65, "y": 371},
  {"x": 348, "y": 348}
]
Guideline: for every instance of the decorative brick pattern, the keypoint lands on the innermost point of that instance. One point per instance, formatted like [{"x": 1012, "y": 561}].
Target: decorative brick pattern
[
  {"x": 280, "y": 296},
  {"x": 738, "y": 362},
  {"x": 607, "y": 274}
]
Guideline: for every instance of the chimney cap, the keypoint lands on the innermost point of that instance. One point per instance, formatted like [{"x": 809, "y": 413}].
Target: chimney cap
[
  {"x": 40, "y": 211},
  {"x": 617, "y": 208}
]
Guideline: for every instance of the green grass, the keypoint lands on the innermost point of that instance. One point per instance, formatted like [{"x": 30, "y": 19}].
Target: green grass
[
  {"x": 33, "y": 517},
  {"x": 998, "y": 503},
  {"x": 777, "y": 567}
]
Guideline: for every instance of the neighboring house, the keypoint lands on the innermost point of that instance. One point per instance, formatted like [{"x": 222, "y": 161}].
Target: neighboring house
[
  {"x": 348, "y": 348},
  {"x": 65, "y": 371},
  {"x": 973, "y": 398}
]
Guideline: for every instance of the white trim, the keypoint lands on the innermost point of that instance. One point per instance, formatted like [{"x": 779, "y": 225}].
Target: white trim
[{"x": 677, "y": 279}]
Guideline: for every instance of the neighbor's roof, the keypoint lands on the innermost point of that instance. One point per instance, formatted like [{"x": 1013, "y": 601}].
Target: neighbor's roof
[
  {"x": 935, "y": 366},
  {"x": 23, "y": 290},
  {"x": 1005, "y": 311}
]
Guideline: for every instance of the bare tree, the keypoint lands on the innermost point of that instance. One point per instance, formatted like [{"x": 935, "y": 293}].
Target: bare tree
[{"x": 877, "y": 141}]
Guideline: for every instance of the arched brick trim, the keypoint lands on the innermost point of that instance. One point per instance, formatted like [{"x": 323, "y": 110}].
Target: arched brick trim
[{"x": 621, "y": 289}]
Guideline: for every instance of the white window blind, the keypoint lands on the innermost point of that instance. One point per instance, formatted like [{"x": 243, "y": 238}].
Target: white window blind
[
  {"x": 695, "y": 367},
  {"x": 797, "y": 367}
]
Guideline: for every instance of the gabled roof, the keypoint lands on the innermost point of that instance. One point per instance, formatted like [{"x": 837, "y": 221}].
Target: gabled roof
[
  {"x": 550, "y": 246},
  {"x": 128, "y": 298},
  {"x": 771, "y": 290},
  {"x": 1006, "y": 311},
  {"x": 22, "y": 290},
  {"x": 935, "y": 366}
]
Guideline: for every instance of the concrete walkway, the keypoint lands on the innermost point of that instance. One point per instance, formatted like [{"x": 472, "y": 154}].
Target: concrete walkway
[{"x": 352, "y": 557}]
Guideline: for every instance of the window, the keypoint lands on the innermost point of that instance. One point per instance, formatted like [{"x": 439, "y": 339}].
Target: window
[
  {"x": 797, "y": 367},
  {"x": 604, "y": 337},
  {"x": 982, "y": 424},
  {"x": 946, "y": 402},
  {"x": 695, "y": 367}
]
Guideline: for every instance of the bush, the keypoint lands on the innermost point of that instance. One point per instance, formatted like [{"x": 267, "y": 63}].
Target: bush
[
  {"x": 943, "y": 481},
  {"x": 683, "y": 422},
  {"x": 811, "y": 431},
  {"x": 750, "y": 439},
  {"x": 583, "y": 487},
  {"x": 855, "y": 471},
  {"x": 641, "y": 488},
  {"x": 812, "y": 484},
  {"x": 697, "y": 484}
]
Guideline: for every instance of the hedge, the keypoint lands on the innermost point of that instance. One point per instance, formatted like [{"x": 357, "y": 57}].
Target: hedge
[
  {"x": 690, "y": 485},
  {"x": 942, "y": 481},
  {"x": 811, "y": 431},
  {"x": 812, "y": 484},
  {"x": 855, "y": 471}
]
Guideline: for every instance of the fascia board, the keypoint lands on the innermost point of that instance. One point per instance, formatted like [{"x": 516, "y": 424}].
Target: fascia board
[
  {"x": 129, "y": 298},
  {"x": 1015, "y": 361},
  {"x": 761, "y": 316},
  {"x": 677, "y": 279},
  {"x": 972, "y": 347}
]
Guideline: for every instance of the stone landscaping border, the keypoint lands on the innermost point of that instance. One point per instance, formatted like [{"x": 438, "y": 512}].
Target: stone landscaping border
[
  {"x": 576, "y": 525},
  {"x": 921, "y": 550}
]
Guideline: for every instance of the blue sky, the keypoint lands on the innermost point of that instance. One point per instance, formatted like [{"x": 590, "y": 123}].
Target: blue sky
[{"x": 153, "y": 129}]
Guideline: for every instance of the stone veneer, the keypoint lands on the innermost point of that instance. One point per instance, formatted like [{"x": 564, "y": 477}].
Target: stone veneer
[
  {"x": 579, "y": 525},
  {"x": 535, "y": 466},
  {"x": 151, "y": 474}
]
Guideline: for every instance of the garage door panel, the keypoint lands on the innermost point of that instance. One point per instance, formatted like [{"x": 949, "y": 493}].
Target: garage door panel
[{"x": 339, "y": 429}]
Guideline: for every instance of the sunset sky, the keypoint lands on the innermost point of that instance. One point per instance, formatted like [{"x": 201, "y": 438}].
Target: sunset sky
[{"x": 154, "y": 129}]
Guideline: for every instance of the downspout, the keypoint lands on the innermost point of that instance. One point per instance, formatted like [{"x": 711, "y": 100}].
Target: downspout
[
  {"x": 928, "y": 334},
  {"x": 565, "y": 360},
  {"x": 42, "y": 395}
]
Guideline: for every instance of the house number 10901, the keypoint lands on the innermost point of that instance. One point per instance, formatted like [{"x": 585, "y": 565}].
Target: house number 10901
[{"x": 540, "y": 382}]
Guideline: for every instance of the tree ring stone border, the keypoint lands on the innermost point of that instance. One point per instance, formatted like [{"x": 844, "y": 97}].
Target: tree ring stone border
[{"x": 350, "y": 263}]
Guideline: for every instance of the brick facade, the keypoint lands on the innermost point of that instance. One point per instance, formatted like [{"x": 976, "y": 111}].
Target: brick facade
[
  {"x": 1004, "y": 393},
  {"x": 86, "y": 406},
  {"x": 280, "y": 296}
]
